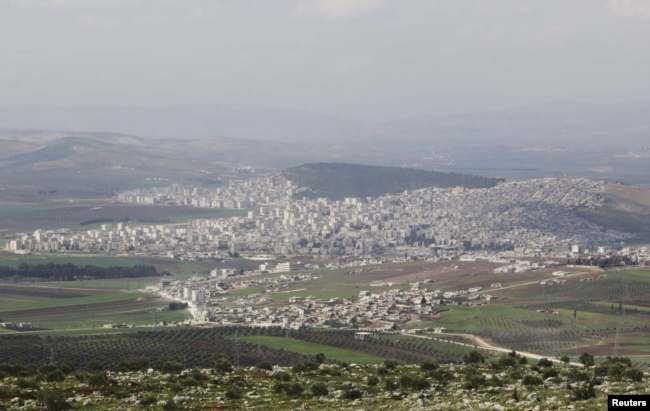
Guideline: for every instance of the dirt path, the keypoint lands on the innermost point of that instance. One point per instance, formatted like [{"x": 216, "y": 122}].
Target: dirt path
[{"x": 487, "y": 346}]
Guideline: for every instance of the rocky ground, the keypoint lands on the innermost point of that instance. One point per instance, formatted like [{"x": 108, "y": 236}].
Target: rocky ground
[{"x": 508, "y": 383}]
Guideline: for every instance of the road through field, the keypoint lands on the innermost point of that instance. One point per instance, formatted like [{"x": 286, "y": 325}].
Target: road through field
[{"x": 487, "y": 346}]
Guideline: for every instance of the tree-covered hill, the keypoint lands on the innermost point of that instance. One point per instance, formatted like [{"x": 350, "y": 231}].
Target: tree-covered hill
[{"x": 340, "y": 180}]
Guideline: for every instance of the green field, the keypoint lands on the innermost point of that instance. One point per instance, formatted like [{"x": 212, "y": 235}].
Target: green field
[
  {"x": 27, "y": 304},
  {"x": 126, "y": 284},
  {"x": 307, "y": 348}
]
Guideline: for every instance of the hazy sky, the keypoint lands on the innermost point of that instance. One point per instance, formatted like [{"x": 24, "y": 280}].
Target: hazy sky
[{"x": 371, "y": 59}]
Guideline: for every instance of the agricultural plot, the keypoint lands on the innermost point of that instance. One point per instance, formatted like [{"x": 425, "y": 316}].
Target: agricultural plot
[
  {"x": 59, "y": 306},
  {"x": 88, "y": 216},
  {"x": 188, "y": 346},
  {"x": 306, "y": 348}
]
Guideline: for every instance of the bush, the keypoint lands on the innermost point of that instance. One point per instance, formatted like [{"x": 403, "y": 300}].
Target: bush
[
  {"x": 545, "y": 362},
  {"x": 294, "y": 389},
  {"x": 24, "y": 383},
  {"x": 429, "y": 365},
  {"x": 53, "y": 400},
  {"x": 506, "y": 361},
  {"x": 531, "y": 380},
  {"x": 474, "y": 382},
  {"x": 405, "y": 381},
  {"x": 98, "y": 379},
  {"x": 616, "y": 371},
  {"x": 94, "y": 366},
  {"x": 586, "y": 359},
  {"x": 634, "y": 374},
  {"x": 233, "y": 393},
  {"x": 170, "y": 405},
  {"x": 473, "y": 357},
  {"x": 319, "y": 389},
  {"x": 282, "y": 376},
  {"x": 168, "y": 366},
  {"x": 549, "y": 373},
  {"x": 372, "y": 380},
  {"x": 265, "y": 365},
  {"x": 221, "y": 363},
  {"x": 420, "y": 384},
  {"x": 390, "y": 384},
  {"x": 55, "y": 376},
  {"x": 442, "y": 376},
  {"x": 352, "y": 394},
  {"x": 148, "y": 400},
  {"x": 390, "y": 364}
]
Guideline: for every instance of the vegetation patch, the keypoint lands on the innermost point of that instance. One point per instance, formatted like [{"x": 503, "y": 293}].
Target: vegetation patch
[{"x": 339, "y": 180}]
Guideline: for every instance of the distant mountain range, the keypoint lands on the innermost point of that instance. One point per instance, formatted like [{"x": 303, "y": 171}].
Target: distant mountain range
[{"x": 568, "y": 124}]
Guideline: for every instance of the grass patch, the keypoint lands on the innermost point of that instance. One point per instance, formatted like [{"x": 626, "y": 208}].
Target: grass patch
[
  {"x": 307, "y": 348},
  {"x": 66, "y": 302},
  {"x": 129, "y": 285}
]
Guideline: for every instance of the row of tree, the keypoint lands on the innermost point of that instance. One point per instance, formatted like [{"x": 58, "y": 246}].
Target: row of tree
[{"x": 71, "y": 272}]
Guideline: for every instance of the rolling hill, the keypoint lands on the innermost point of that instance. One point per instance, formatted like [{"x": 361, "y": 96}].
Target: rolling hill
[{"x": 337, "y": 181}]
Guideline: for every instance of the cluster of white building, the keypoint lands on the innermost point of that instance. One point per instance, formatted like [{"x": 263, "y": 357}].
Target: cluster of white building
[{"x": 531, "y": 214}]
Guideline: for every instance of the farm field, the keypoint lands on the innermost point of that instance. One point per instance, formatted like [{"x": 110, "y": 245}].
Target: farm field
[
  {"x": 161, "y": 263},
  {"x": 89, "y": 215},
  {"x": 84, "y": 304},
  {"x": 306, "y": 348}
]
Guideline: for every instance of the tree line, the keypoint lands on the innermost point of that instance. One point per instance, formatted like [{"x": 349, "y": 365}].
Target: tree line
[{"x": 71, "y": 272}]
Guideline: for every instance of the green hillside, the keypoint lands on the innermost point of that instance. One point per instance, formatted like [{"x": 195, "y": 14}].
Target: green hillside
[{"x": 340, "y": 180}]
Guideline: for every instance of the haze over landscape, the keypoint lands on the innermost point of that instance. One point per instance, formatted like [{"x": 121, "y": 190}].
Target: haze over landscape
[{"x": 324, "y": 204}]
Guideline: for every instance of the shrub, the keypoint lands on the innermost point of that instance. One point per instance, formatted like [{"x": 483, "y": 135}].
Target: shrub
[
  {"x": 616, "y": 371},
  {"x": 98, "y": 379},
  {"x": 545, "y": 362},
  {"x": 372, "y": 380},
  {"x": 405, "y": 381},
  {"x": 265, "y": 365},
  {"x": 429, "y": 365},
  {"x": 294, "y": 389},
  {"x": 473, "y": 357},
  {"x": 442, "y": 376},
  {"x": 420, "y": 384},
  {"x": 24, "y": 383},
  {"x": 168, "y": 366},
  {"x": 319, "y": 389},
  {"x": 220, "y": 363},
  {"x": 55, "y": 376},
  {"x": 233, "y": 393},
  {"x": 634, "y": 374},
  {"x": 390, "y": 364},
  {"x": 531, "y": 380},
  {"x": 549, "y": 373},
  {"x": 94, "y": 366},
  {"x": 506, "y": 362},
  {"x": 586, "y": 359},
  {"x": 282, "y": 376},
  {"x": 474, "y": 381},
  {"x": 390, "y": 384},
  {"x": 170, "y": 405},
  {"x": 352, "y": 394},
  {"x": 53, "y": 400},
  {"x": 148, "y": 400}
]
